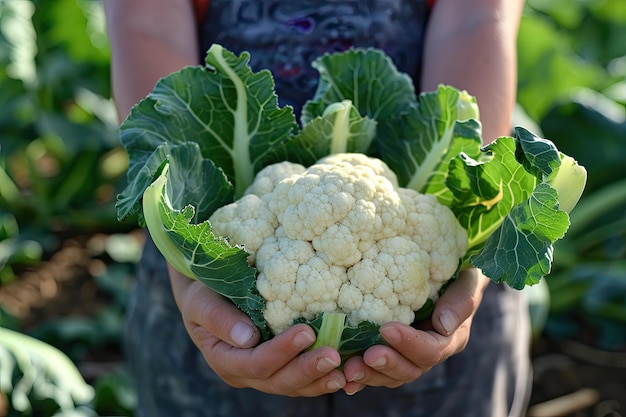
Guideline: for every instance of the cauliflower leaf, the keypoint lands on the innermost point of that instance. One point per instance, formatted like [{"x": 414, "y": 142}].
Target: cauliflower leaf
[
  {"x": 192, "y": 249},
  {"x": 231, "y": 112}
]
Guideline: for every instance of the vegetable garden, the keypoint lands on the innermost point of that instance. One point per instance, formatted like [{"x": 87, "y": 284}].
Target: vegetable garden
[{"x": 66, "y": 262}]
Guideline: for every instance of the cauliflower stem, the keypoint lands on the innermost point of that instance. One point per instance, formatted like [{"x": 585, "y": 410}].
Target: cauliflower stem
[{"x": 331, "y": 331}]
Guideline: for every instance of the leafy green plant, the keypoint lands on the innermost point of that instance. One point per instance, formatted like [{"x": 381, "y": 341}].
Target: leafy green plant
[
  {"x": 14, "y": 249},
  {"x": 563, "y": 48},
  {"x": 57, "y": 121},
  {"x": 573, "y": 85},
  {"x": 588, "y": 287},
  {"x": 115, "y": 394},
  {"x": 39, "y": 380},
  {"x": 61, "y": 162}
]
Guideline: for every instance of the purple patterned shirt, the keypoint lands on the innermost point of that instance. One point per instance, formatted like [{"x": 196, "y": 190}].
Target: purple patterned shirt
[{"x": 285, "y": 36}]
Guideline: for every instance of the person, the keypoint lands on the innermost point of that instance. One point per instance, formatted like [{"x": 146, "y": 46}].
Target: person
[{"x": 192, "y": 353}]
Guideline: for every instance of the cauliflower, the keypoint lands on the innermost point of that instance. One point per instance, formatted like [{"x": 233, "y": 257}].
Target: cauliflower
[
  {"x": 268, "y": 177},
  {"x": 248, "y": 221},
  {"x": 342, "y": 237},
  {"x": 334, "y": 241}
]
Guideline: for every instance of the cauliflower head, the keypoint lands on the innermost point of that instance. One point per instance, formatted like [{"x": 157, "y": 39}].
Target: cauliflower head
[{"x": 341, "y": 236}]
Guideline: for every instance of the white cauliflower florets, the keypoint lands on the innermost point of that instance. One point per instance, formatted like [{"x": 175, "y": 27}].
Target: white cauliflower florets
[
  {"x": 341, "y": 208},
  {"x": 268, "y": 177},
  {"x": 435, "y": 229},
  {"x": 393, "y": 275},
  {"x": 246, "y": 222},
  {"x": 378, "y": 166},
  {"x": 342, "y": 237}
]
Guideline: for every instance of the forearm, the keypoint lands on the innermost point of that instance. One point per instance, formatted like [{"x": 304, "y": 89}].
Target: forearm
[
  {"x": 471, "y": 44},
  {"x": 149, "y": 39}
]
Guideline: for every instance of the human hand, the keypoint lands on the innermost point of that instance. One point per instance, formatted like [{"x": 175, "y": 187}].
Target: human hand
[
  {"x": 228, "y": 341},
  {"x": 411, "y": 352}
]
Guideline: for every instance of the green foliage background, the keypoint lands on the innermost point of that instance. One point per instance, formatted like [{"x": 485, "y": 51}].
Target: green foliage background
[
  {"x": 572, "y": 84},
  {"x": 61, "y": 164}
]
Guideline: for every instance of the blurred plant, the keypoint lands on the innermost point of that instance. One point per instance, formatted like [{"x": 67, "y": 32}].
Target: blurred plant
[
  {"x": 39, "y": 380},
  {"x": 115, "y": 394},
  {"x": 31, "y": 365},
  {"x": 572, "y": 82},
  {"x": 14, "y": 249},
  {"x": 60, "y": 159},
  {"x": 588, "y": 286},
  {"x": 78, "y": 335},
  {"x": 61, "y": 167},
  {"x": 592, "y": 127},
  {"x": 567, "y": 44}
]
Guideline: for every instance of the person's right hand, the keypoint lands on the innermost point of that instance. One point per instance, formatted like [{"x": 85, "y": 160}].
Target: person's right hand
[{"x": 229, "y": 341}]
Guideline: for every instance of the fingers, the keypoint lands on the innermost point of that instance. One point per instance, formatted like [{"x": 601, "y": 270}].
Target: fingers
[
  {"x": 459, "y": 302},
  {"x": 277, "y": 366},
  {"x": 423, "y": 349},
  {"x": 229, "y": 341},
  {"x": 307, "y": 374},
  {"x": 412, "y": 352},
  {"x": 225, "y": 335},
  {"x": 380, "y": 366},
  {"x": 200, "y": 306},
  {"x": 409, "y": 354},
  {"x": 264, "y": 361}
]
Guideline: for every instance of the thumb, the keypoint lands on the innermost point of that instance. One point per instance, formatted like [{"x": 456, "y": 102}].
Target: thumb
[
  {"x": 202, "y": 307},
  {"x": 459, "y": 302}
]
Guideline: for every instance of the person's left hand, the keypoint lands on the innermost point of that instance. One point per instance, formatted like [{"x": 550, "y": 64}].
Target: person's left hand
[{"x": 412, "y": 352}]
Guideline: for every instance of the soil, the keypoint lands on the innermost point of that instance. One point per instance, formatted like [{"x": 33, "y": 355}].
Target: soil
[{"x": 571, "y": 377}]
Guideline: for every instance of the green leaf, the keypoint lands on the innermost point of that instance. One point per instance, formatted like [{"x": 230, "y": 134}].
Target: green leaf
[
  {"x": 195, "y": 252},
  {"x": 206, "y": 187},
  {"x": 487, "y": 188},
  {"x": 537, "y": 155},
  {"x": 419, "y": 146},
  {"x": 340, "y": 129},
  {"x": 34, "y": 375},
  {"x": 231, "y": 113},
  {"x": 355, "y": 340},
  {"x": 511, "y": 233},
  {"x": 519, "y": 252},
  {"x": 142, "y": 170},
  {"x": 368, "y": 78}
]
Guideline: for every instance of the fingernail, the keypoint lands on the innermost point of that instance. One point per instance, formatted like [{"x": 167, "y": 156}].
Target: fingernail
[
  {"x": 449, "y": 321},
  {"x": 326, "y": 365},
  {"x": 303, "y": 340},
  {"x": 242, "y": 334},
  {"x": 355, "y": 390},
  {"x": 357, "y": 377},
  {"x": 391, "y": 334},
  {"x": 380, "y": 362},
  {"x": 333, "y": 385}
]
